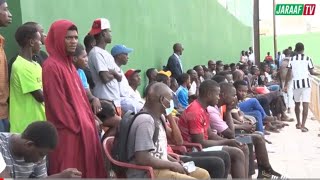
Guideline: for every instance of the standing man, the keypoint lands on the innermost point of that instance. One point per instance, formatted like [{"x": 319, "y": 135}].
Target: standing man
[
  {"x": 26, "y": 96},
  {"x": 106, "y": 74},
  {"x": 5, "y": 20},
  {"x": 300, "y": 67},
  {"x": 174, "y": 62},
  {"x": 68, "y": 108}
]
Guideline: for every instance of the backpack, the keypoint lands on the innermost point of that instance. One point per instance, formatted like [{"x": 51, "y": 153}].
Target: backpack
[{"x": 120, "y": 151}]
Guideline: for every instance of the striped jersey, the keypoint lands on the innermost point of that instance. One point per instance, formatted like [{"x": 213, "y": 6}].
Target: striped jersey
[
  {"x": 17, "y": 167},
  {"x": 300, "y": 65}
]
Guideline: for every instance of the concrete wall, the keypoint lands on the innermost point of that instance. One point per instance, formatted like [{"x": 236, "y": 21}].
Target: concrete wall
[{"x": 205, "y": 28}]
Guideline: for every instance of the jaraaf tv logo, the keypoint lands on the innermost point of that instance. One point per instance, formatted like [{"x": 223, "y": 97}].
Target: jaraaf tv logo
[{"x": 295, "y": 9}]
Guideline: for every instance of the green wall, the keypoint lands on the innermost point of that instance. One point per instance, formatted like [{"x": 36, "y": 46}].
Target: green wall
[
  {"x": 205, "y": 28},
  {"x": 310, "y": 41}
]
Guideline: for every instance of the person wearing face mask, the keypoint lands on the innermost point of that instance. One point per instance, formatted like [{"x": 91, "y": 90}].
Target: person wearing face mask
[{"x": 143, "y": 151}]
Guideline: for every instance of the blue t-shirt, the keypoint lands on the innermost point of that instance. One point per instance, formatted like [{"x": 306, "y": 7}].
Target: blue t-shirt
[
  {"x": 83, "y": 78},
  {"x": 183, "y": 98}
]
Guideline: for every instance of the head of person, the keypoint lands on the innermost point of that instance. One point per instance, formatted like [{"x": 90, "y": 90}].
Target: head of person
[
  {"x": 250, "y": 49},
  {"x": 238, "y": 75},
  {"x": 205, "y": 69},
  {"x": 246, "y": 53},
  {"x": 226, "y": 67},
  {"x": 212, "y": 65},
  {"x": 233, "y": 67},
  {"x": 265, "y": 67},
  {"x": 39, "y": 28},
  {"x": 159, "y": 97},
  {"x": 242, "y": 53},
  {"x": 184, "y": 79},
  {"x": 286, "y": 52},
  {"x": 255, "y": 71},
  {"x": 28, "y": 38},
  {"x": 5, "y": 15},
  {"x": 80, "y": 58},
  {"x": 199, "y": 70},
  {"x": 174, "y": 84},
  {"x": 133, "y": 77},
  {"x": 207, "y": 75},
  {"x": 121, "y": 54},
  {"x": 241, "y": 88},
  {"x": 219, "y": 78},
  {"x": 279, "y": 53},
  {"x": 152, "y": 74},
  {"x": 209, "y": 91},
  {"x": 193, "y": 74},
  {"x": 229, "y": 77},
  {"x": 299, "y": 48},
  {"x": 101, "y": 31},
  {"x": 244, "y": 68},
  {"x": 219, "y": 66},
  {"x": 108, "y": 112},
  {"x": 290, "y": 48},
  {"x": 228, "y": 95},
  {"x": 89, "y": 42},
  {"x": 62, "y": 39},
  {"x": 38, "y": 139},
  {"x": 164, "y": 77},
  {"x": 178, "y": 49}
]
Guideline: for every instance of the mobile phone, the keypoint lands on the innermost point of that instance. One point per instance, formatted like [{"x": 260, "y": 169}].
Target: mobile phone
[{"x": 189, "y": 166}]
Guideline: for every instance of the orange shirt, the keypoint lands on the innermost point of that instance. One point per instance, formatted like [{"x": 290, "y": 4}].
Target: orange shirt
[{"x": 4, "y": 82}]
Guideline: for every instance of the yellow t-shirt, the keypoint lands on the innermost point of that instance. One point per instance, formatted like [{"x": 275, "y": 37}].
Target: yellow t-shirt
[{"x": 26, "y": 77}]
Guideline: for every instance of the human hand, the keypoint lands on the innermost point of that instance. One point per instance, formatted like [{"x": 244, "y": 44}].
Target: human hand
[
  {"x": 177, "y": 167},
  {"x": 234, "y": 143},
  {"x": 96, "y": 105},
  {"x": 70, "y": 173}
]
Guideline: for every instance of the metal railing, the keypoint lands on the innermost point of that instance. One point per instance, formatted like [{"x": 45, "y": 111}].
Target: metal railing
[{"x": 315, "y": 97}]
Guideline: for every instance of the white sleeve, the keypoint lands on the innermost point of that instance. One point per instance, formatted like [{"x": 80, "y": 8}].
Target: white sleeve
[{"x": 3, "y": 164}]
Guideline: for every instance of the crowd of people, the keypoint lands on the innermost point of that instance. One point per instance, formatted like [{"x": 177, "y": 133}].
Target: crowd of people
[{"x": 56, "y": 109}]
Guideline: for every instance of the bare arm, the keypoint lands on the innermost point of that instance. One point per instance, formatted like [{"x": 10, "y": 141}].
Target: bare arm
[
  {"x": 198, "y": 138},
  {"x": 229, "y": 120},
  {"x": 106, "y": 76},
  {"x": 312, "y": 72},
  {"x": 38, "y": 95},
  {"x": 174, "y": 133},
  {"x": 95, "y": 102}
]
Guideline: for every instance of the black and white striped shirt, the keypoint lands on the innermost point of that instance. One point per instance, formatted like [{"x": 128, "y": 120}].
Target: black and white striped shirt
[
  {"x": 18, "y": 168},
  {"x": 300, "y": 65}
]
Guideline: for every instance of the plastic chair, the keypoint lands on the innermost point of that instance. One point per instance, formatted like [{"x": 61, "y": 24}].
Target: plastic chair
[{"x": 107, "y": 146}]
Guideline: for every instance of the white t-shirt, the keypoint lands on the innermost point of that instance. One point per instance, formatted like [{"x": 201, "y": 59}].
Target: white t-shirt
[
  {"x": 2, "y": 163},
  {"x": 124, "y": 86},
  {"x": 193, "y": 89},
  {"x": 251, "y": 58},
  {"x": 102, "y": 60}
]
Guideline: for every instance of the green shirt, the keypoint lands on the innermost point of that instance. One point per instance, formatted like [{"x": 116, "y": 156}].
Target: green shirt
[{"x": 26, "y": 77}]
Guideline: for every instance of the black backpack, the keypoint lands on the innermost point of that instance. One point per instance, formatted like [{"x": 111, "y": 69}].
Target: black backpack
[{"x": 120, "y": 151}]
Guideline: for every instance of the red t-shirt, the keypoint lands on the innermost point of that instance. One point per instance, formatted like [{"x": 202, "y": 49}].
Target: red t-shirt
[{"x": 194, "y": 120}]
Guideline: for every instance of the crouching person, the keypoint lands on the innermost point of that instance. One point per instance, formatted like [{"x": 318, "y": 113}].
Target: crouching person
[
  {"x": 25, "y": 154},
  {"x": 147, "y": 142}
]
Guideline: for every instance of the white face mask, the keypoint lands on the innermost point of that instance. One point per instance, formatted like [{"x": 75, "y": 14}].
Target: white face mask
[{"x": 169, "y": 109}]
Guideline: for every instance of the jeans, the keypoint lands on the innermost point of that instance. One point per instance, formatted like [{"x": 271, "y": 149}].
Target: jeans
[
  {"x": 274, "y": 87},
  {"x": 4, "y": 125},
  {"x": 217, "y": 163},
  {"x": 252, "y": 107}
]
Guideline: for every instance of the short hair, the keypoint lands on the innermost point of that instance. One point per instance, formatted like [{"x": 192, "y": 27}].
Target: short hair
[
  {"x": 88, "y": 40},
  {"x": 162, "y": 78},
  {"x": 149, "y": 71},
  {"x": 31, "y": 23},
  {"x": 206, "y": 87},
  {"x": 175, "y": 46},
  {"x": 225, "y": 87},
  {"x": 219, "y": 62},
  {"x": 196, "y": 67},
  {"x": 24, "y": 33},
  {"x": 219, "y": 78},
  {"x": 42, "y": 133},
  {"x": 107, "y": 111},
  {"x": 79, "y": 50},
  {"x": 239, "y": 83},
  {"x": 226, "y": 66},
  {"x": 189, "y": 71},
  {"x": 232, "y": 65},
  {"x": 73, "y": 28},
  {"x": 242, "y": 66},
  {"x": 299, "y": 47},
  {"x": 183, "y": 78}
]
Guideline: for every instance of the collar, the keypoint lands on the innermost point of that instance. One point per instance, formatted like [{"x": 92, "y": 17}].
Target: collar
[{"x": 176, "y": 55}]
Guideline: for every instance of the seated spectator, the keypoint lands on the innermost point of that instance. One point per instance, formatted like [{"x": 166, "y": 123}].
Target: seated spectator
[
  {"x": 219, "y": 66},
  {"x": 25, "y": 154},
  {"x": 132, "y": 100},
  {"x": 182, "y": 92},
  {"x": 195, "y": 127},
  {"x": 109, "y": 119},
  {"x": 226, "y": 67},
  {"x": 266, "y": 78},
  {"x": 216, "y": 163},
  {"x": 227, "y": 94},
  {"x": 151, "y": 75},
  {"x": 164, "y": 77},
  {"x": 80, "y": 61},
  {"x": 212, "y": 67},
  {"x": 141, "y": 147},
  {"x": 233, "y": 67},
  {"x": 200, "y": 72},
  {"x": 227, "y": 74},
  {"x": 219, "y": 78},
  {"x": 89, "y": 42},
  {"x": 194, "y": 87}
]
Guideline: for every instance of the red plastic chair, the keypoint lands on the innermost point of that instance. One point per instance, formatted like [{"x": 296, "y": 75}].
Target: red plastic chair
[{"x": 107, "y": 146}]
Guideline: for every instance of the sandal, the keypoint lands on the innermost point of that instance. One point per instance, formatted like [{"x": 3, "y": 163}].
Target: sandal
[
  {"x": 287, "y": 119},
  {"x": 304, "y": 129},
  {"x": 298, "y": 126},
  {"x": 272, "y": 129}
]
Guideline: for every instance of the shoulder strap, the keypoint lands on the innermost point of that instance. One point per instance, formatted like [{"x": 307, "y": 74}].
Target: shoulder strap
[{"x": 156, "y": 130}]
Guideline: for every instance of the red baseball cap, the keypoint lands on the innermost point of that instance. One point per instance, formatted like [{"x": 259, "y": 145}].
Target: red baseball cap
[
  {"x": 98, "y": 25},
  {"x": 130, "y": 72}
]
